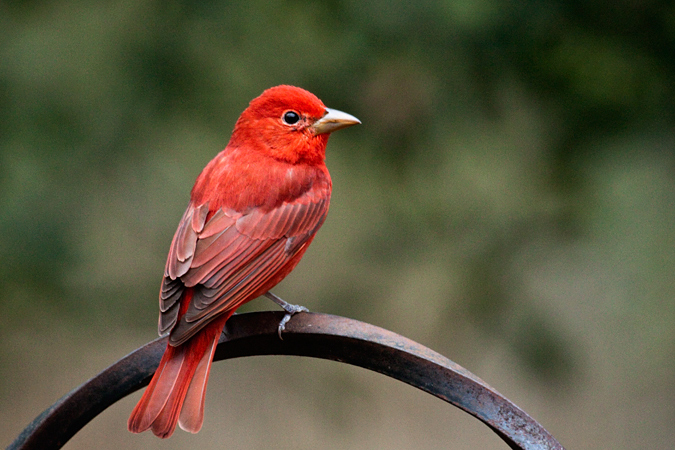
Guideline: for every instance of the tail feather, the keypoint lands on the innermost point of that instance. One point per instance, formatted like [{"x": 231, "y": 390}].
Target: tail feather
[
  {"x": 192, "y": 414},
  {"x": 156, "y": 395},
  {"x": 178, "y": 384},
  {"x": 170, "y": 398}
]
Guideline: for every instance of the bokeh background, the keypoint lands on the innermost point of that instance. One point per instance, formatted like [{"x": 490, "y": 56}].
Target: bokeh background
[{"x": 509, "y": 201}]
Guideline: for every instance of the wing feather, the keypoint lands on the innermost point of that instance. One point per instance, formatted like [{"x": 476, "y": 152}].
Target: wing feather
[
  {"x": 239, "y": 249},
  {"x": 169, "y": 287},
  {"x": 170, "y": 293},
  {"x": 168, "y": 318},
  {"x": 220, "y": 221},
  {"x": 222, "y": 245},
  {"x": 199, "y": 217},
  {"x": 232, "y": 293},
  {"x": 216, "y": 277},
  {"x": 226, "y": 256},
  {"x": 185, "y": 244},
  {"x": 231, "y": 283}
]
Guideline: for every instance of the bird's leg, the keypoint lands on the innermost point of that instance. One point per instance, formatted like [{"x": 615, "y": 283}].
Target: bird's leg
[{"x": 290, "y": 310}]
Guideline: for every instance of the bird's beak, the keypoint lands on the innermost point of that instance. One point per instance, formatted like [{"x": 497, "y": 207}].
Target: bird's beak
[{"x": 334, "y": 120}]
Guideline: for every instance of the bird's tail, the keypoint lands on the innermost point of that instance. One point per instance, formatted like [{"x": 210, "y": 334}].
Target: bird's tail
[{"x": 177, "y": 390}]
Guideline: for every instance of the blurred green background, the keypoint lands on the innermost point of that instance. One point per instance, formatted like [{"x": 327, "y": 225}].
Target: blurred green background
[{"x": 509, "y": 201}]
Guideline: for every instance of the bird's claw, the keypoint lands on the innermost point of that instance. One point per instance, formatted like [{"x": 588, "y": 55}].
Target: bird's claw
[{"x": 291, "y": 310}]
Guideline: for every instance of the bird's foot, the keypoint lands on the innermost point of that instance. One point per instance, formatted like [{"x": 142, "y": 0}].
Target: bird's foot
[{"x": 290, "y": 309}]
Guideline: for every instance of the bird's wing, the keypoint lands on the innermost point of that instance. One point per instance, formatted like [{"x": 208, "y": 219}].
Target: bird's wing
[{"x": 232, "y": 255}]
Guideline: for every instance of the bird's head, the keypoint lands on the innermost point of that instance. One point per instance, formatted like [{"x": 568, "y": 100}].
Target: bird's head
[{"x": 289, "y": 124}]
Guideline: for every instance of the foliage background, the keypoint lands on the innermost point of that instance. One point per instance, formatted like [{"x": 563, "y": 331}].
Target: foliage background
[{"x": 508, "y": 201}]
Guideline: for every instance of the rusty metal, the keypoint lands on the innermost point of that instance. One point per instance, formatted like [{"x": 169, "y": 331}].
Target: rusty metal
[{"x": 308, "y": 334}]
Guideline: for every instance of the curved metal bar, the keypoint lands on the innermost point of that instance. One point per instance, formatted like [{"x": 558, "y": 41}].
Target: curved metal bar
[{"x": 308, "y": 334}]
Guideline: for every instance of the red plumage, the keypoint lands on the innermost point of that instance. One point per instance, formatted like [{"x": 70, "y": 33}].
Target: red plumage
[{"x": 253, "y": 211}]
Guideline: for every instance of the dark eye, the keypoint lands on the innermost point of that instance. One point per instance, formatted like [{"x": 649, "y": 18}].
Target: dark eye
[{"x": 290, "y": 117}]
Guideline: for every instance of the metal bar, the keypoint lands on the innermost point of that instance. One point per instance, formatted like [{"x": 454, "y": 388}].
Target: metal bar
[{"x": 307, "y": 334}]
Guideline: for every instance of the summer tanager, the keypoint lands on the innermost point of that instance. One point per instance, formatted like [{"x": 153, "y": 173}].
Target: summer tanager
[{"x": 253, "y": 212}]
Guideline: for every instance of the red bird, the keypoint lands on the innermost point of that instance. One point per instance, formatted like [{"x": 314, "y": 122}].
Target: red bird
[{"x": 253, "y": 212}]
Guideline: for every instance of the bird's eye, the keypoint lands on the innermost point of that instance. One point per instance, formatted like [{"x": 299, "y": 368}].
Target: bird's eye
[{"x": 290, "y": 117}]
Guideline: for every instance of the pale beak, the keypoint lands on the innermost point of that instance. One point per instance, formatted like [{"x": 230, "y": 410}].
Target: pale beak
[{"x": 334, "y": 120}]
